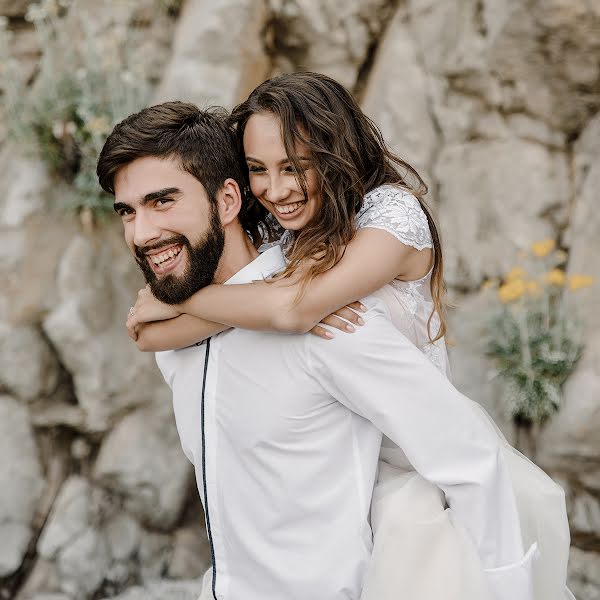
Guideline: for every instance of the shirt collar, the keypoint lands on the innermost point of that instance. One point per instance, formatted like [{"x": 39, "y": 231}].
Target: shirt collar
[{"x": 264, "y": 265}]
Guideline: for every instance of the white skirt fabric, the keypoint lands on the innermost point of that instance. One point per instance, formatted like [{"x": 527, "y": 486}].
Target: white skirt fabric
[{"x": 419, "y": 552}]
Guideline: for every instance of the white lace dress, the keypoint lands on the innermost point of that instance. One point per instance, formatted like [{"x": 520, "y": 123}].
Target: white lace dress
[{"x": 419, "y": 553}]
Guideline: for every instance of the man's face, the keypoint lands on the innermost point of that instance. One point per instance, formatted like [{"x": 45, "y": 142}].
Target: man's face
[{"x": 171, "y": 227}]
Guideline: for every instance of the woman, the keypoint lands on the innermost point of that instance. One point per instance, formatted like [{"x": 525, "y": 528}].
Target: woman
[{"x": 322, "y": 178}]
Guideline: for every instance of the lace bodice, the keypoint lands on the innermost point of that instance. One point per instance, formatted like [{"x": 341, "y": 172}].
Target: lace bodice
[{"x": 398, "y": 212}]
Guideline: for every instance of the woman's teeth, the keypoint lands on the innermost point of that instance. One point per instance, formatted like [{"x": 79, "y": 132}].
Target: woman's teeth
[
  {"x": 158, "y": 259},
  {"x": 286, "y": 209}
]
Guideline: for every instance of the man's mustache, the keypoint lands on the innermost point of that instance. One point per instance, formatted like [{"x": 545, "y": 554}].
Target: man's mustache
[{"x": 141, "y": 251}]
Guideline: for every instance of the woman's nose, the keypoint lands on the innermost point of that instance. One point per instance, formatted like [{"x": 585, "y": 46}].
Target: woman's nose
[{"x": 278, "y": 190}]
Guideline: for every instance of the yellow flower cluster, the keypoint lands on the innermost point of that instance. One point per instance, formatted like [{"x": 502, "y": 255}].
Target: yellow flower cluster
[
  {"x": 515, "y": 273},
  {"x": 517, "y": 284},
  {"x": 578, "y": 282},
  {"x": 543, "y": 247},
  {"x": 556, "y": 277},
  {"x": 512, "y": 290}
]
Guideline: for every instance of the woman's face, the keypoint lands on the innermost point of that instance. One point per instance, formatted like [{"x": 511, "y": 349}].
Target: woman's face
[{"x": 272, "y": 177}]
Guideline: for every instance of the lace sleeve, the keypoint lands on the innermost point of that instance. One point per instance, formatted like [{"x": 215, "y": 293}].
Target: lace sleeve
[{"x": 397, "y": 212}]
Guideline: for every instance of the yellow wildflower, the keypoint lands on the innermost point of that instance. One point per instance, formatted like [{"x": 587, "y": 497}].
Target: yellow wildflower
[
  {"x": 534, "y": 289},
  {"x": 578, "y": 282},
  {"x": 488, "y": 284},
  {"x": 511, "y": 291},
  {"x": 543, "y": 247},
  {"x": 556, "y": 277},
  {"x": 515, "y": 273}
]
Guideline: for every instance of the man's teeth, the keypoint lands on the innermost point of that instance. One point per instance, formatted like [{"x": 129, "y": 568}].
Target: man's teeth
[
  {"x": 157, "y": 259},
  {"x": 289, "y": 208}
]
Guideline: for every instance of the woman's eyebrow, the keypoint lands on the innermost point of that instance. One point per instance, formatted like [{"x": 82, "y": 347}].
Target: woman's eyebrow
[{"x": 281, "y": 162}]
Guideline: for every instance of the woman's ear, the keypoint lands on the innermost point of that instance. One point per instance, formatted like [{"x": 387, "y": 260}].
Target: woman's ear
[{"x": 230, "y": 201}]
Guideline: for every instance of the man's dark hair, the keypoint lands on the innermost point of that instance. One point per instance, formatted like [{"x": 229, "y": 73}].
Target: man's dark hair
[{"x": 201, "y": 142}]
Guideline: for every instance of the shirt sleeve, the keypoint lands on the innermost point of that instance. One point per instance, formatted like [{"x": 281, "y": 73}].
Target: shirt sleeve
[
  {"x": 379, "y": 374},
  {"x": 392, "y": 209}
]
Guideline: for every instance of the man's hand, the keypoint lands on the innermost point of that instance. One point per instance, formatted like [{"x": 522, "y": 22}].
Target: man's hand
[{"x": 147, "y": 309}]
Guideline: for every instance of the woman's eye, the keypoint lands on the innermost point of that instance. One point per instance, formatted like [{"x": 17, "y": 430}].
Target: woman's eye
[{"x": 255, "y": 169}]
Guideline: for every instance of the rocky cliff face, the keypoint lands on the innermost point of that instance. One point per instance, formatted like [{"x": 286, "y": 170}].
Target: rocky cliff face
[{"x": 496, "y": 102}]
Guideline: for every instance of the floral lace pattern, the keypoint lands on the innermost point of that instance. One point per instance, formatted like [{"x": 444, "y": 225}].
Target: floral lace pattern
[{"x": 392, "y": 209}]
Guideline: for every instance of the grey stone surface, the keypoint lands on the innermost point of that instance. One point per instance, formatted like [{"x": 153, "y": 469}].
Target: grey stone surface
[
  {"x": 527, "y": 56},
  {"x": 493, "y": 196},
  {"x": 573, "y": 438},
  {"x": 218, "y": 57},
  {"x": 14, "y": 8},
  {"x": 397, "y": 98},
  {"x": 163, "y": 590},
  {"x": 97, "y": 283},
  {"x": 584, "y": 574},
  {"x": 24, "y": 183},
  {"x": 28, "y": 366},
  {"x": 191, "y": 553},
  {"x": 21, "y": 483},
  {"x": 332, "y": 37},
  {"x": 141, "y": 459},
  {"x": 585, "y": 514},
  {"x": 71, "y": 515}
]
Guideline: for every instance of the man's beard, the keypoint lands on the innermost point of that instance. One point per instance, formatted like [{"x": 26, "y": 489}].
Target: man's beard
[{"x": 203, "y": 260}]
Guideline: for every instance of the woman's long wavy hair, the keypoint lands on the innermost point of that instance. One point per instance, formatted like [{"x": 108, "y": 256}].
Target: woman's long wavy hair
[{"x": 350, "y": 157}]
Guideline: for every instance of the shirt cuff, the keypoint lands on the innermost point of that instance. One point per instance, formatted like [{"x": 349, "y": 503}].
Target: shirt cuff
[{"x": 514, "y": 581}]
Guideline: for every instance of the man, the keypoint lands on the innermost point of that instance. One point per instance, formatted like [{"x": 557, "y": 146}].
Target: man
[{"x": 283, "y": 434}]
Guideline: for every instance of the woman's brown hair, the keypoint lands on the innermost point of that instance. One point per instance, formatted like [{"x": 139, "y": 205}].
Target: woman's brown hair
[{"x": 350, "y": 157}]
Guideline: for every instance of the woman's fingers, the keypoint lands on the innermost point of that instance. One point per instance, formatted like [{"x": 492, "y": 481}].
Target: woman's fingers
[
  {"x": 321, "y": 332},
  {"x": 132, "y": 327},
  {"x": 349, "y": 314},
  {"x": 358, "y": 306},
  {"x": 335, "y": 321},
  {"x": 343, "y": 319}
]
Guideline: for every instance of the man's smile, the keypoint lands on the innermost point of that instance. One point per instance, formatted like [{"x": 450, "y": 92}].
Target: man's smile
[{"x": 164, "y": 260}]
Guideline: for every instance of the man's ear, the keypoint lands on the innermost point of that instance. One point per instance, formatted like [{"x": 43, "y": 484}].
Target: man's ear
[{"x": 230, "y": 201}]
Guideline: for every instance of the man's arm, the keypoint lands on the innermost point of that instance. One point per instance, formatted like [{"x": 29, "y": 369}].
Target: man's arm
[{"x": 379, "y": 374}]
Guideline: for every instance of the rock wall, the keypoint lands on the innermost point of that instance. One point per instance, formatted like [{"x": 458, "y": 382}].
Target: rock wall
[{"x": 496, "y": 102}]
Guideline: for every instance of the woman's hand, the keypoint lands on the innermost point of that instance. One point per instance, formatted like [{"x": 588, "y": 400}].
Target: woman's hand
[
  {"x": 343, "y": 319},
  {"x": 147, "y": 309}
]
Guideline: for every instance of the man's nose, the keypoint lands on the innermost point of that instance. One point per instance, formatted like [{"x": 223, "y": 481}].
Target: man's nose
[
  {"x": 278, "y": 189},
  {"x": 146, "y": 229}
]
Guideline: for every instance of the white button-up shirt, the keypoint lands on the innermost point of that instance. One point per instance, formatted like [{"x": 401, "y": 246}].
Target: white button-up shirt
[{"x": 284, "y": 432}]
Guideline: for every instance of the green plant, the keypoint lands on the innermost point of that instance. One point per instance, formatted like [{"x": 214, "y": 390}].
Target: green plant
[
  {"x": 87, "y": 82},
  {"x": 534, "y": 337}
]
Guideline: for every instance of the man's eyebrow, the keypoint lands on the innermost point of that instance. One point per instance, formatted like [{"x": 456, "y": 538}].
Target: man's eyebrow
[
  {"x": 150, "y": 197},
  {"x": 120, "y": 205}
]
